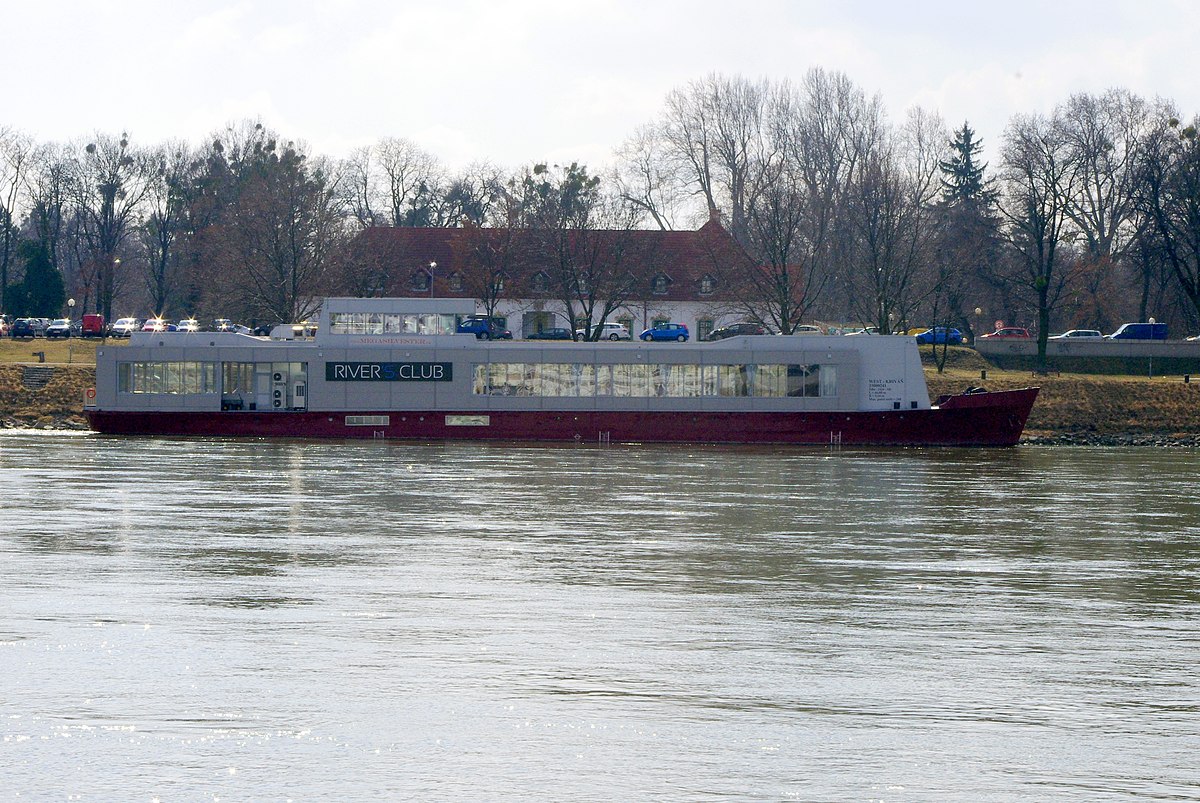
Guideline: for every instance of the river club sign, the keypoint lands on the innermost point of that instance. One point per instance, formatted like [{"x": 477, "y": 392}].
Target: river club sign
[{"x": 389, "y": 371}]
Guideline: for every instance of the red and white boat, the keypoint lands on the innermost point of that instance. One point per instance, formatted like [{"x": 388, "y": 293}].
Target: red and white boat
[{"x": 388, "y": 368}]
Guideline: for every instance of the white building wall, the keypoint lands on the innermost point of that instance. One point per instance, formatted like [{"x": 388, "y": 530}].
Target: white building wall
[{"x": 640, "y": 315}]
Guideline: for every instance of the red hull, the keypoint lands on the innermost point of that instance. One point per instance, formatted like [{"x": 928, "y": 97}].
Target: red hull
[{"x": 981, "y": 419}]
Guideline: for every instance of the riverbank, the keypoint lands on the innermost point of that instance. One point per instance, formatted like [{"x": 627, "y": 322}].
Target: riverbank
[{"x": 1072, "y": 409}]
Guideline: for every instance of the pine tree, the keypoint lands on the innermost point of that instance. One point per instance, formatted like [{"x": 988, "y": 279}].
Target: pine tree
[
  {"x": 963, "y": 179},
  {"x": 43, "y": 285}
]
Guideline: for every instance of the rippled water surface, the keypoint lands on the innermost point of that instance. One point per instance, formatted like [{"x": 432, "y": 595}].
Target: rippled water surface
[{"x": 246, "y": 620}]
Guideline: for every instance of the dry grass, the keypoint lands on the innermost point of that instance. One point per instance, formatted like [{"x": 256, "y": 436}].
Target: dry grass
[
  {"x": 73, "y": 351},
  {"x": 1091, "y": 404},
  {"x": 1087, "y": 404}
]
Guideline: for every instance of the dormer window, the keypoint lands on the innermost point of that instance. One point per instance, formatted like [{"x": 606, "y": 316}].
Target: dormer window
[
  {"x": 707, "y": 285},
  {"x": 540, "y": 282},
  {"x": 422, "y": 281},
  {"x": 456, "y": 283},
  {"x": 659, "y": 284}
]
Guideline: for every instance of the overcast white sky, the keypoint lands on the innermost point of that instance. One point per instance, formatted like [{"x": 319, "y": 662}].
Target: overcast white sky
[{"x": 525, "y": 80}]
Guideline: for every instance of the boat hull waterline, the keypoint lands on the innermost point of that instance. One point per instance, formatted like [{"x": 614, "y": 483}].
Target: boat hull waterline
[{"x": 971, "y": 419}]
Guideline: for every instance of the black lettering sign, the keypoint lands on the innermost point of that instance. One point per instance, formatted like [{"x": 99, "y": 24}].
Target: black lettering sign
[{"x": 389, "y": 371}]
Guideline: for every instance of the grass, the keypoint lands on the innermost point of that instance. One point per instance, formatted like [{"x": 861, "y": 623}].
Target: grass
[
  {"x": 1090, "y": 404},
  {"x": 73, "y": 351}
]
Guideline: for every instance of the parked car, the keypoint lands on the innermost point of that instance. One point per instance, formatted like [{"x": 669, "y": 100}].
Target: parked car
[
  {"x": 735, "y": 330},
  {"x": 610, "y": 331},
  {"x": 1140, "y": 331},
  {"x": 483, "y": 328},
  {"x": 124, "y": 327},
  {"x": 22, "y": 328},
  {"x": 553, "y": 333},
  {"x": 1078, "y": 334},
  {"x": 157, "y": 325},
  {"x": 807, "y": 329},
  {"x": 665, "y": 331},
  {"x": 1015, "y": 332},
  {"x": 940, "y": 335},
  {"x": 59, "y": 328},
  {"x": 188, "y": 325},
  {"x": 866, "y": 330},
  {"x": 222, "y": 325}
]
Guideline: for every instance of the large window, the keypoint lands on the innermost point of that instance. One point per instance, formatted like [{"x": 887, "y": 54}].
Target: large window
[
  {"x": 634, "y": 380},
  {"x": 376, "y": 323},
  {"x": 167, "y": 377}
]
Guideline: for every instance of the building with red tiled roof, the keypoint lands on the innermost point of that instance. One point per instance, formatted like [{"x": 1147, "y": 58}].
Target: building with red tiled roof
[{"x": 676, "y": 276}]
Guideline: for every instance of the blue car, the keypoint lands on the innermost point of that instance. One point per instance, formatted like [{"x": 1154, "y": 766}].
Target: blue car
[
  {"x": 665, "y": 331},
  {"x": 483, "y": 328},
  {"x": 941, "y": 335}
]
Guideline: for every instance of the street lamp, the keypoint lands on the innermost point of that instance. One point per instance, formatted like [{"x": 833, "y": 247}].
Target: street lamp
[
  {"x": 70, "y": 308},
  {"x": 432, "y": 268}
]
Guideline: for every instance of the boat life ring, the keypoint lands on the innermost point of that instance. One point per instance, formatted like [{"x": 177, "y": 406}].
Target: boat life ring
[{"x": 90, "y": 394}]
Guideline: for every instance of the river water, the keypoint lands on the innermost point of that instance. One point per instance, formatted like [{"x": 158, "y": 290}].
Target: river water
[{"x": 246, "y": 620}]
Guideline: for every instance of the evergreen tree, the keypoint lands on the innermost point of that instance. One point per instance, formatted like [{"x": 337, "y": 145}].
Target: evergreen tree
[
  {"x": 967, "y": 253},
  {"x": 44, "y": 292},
  {"x": 963, "y": 179}
]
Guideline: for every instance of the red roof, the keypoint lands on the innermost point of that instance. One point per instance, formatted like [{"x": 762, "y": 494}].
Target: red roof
[{"x": 685, "y": 258}]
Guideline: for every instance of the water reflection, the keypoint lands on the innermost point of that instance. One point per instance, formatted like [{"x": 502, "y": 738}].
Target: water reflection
[{"x": 671, "y": 622}]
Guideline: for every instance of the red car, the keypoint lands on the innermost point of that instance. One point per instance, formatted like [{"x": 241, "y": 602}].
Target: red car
[{"x": 1010, "y": 331}]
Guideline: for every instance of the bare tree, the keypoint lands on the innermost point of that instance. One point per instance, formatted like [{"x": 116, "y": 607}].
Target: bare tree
[
  {"x": 1105, "y": 135},
  {"x": 16, "y": 150},
  {"x": 581, "y": 238},
  {"x": 287, "y": 231},
  {"x": 107, "y": 189},
  {"x": 1170, "y": 196},
  {"x": 1037, "y": 181},
  {"x": 833, "y": 126},
  {"x": 407, "y": 172},
  {"x": 648, "y": 178},
  {"x": 360, "y": 193},
  {"x": 166, "y": 218},
  {"x": 714, "y": 131},
  {"x": 890, "y": 220}
]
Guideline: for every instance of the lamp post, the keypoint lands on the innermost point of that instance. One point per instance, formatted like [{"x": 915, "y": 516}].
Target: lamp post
[
  {"x": 432, "y": 268},
  {"x": 70, "y": 307}
]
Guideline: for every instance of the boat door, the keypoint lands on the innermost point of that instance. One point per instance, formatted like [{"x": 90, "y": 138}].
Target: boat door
[{"x": 262, "y": 389}]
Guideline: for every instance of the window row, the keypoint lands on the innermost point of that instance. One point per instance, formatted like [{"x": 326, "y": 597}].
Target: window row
[
  {"x": 167, "y": 377},
  {"x": 378, "y": 323},
  {"x": 642, "y": 380}
]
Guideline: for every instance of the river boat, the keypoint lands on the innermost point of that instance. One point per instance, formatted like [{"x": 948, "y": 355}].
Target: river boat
[{"x": 393, "y": 368}]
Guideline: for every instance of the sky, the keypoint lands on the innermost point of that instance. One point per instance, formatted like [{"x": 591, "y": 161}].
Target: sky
[{"x": 522, "y": 81}]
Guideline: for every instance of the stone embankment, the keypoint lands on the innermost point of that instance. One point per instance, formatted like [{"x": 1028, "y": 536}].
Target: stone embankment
[{"x": 44, "y": 396}]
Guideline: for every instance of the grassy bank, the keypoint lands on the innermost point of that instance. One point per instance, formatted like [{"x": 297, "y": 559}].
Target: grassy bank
[
  {"x": 1069, "y": 405},
  {"x": 1082, "y": 404}
]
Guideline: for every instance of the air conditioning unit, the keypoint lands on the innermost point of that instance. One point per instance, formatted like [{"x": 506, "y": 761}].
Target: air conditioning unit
[
  {"x": 277, "y": 403},
  {"x": 277, "y": 377},
  {"x": 278, "y": 393}
]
